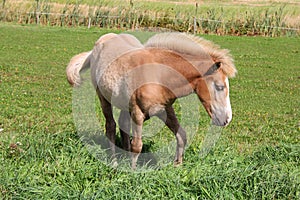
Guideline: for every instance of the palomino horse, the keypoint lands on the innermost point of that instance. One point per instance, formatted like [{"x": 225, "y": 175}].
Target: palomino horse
[{"x": 145, "y": 80}]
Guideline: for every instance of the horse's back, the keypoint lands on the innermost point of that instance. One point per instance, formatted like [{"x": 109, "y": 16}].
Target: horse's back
[{"x": 111, "y": 46}]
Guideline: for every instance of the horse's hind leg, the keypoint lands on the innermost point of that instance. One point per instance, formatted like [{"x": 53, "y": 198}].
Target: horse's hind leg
[
  {"x": 125, "y": 126},
  {"x": 172, "y": 123},
  {"x": 110, "y": 126}
]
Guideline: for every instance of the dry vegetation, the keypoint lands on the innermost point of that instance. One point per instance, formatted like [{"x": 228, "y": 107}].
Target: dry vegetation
[{"x": 248, "y": 17}]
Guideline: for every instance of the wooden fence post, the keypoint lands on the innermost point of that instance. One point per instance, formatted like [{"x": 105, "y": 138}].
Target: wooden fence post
[
  {"x": 37, "y": 12},
  {"x": 195, "y": 26},
  {"x": 195, "y": 18},
  {"x": 89, "y": 25}
]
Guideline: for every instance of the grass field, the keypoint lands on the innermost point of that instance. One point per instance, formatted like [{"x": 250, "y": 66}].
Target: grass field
[{"x": 41, "y": 156}]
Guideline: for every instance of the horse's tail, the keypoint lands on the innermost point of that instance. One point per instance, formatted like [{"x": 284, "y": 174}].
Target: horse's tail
[{"x": 75, "y": 66}]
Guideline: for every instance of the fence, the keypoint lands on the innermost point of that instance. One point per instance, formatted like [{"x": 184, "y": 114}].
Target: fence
[{"x": 131, "y": 19}]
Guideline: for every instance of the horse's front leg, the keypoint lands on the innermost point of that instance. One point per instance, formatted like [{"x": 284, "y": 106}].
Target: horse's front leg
[
  {"x": 136, "y": 143},
  {"x": 110, "y": 126},
  {"x": 172, "y": 123}
]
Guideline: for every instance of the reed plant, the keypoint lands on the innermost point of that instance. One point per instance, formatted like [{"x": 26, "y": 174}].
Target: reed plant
[{"x": 264, "y": 21}]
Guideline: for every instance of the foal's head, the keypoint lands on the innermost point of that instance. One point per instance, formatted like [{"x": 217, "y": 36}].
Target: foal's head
[
  {"x": 213, "y": 91},
  {"x": 215, "y": 66}
]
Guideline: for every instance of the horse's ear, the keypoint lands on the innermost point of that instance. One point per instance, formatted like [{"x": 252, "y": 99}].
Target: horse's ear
[{"x": 213, "y": 68}]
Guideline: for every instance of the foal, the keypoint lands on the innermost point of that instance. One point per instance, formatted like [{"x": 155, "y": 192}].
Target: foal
[{"x": 145, "y": 80}]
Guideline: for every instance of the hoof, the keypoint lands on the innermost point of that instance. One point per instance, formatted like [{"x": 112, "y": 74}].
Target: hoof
[
  {"x": 114, "y": 163},
  {"x": 177, "y": 163}
]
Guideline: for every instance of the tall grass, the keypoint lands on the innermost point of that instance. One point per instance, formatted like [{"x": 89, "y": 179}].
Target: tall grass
[{"x": 143, "y": 14}]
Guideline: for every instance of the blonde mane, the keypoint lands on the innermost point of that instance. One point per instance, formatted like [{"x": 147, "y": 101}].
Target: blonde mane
[{"x": 193, "y": 45}]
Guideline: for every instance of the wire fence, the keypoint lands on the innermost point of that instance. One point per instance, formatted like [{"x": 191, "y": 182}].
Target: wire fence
[
  {"x": 130, "y": 19},
  {"x": 194, "y": 24}
]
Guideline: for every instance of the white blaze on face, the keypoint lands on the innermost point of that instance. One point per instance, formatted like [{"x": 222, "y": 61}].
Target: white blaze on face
[
  {"x": 228, "y": 105},
  {"x": 220, "y": 102}
]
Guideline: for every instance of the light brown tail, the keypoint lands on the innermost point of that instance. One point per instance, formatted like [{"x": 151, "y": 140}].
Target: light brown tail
[{"x": 75, "y": 66}]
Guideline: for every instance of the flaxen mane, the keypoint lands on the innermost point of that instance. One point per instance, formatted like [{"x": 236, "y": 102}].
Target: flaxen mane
[{"x": 193, "y": 45}]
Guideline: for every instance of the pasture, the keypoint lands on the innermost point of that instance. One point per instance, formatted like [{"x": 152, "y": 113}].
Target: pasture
[{"x": 41, "y": 156}]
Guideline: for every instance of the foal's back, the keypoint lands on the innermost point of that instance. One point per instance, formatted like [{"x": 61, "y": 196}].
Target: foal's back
[{"x": 111, "y": 46}]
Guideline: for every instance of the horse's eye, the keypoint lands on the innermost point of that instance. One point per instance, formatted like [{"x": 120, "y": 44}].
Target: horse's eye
[{"x": 220, "y": 87}]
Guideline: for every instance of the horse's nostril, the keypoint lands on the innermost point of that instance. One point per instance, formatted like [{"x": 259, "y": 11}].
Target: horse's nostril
[{"x": 226, "y": 122}]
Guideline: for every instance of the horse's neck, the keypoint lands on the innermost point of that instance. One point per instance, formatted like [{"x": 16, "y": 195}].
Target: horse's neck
[
  {"x": 187, "y": 69},
  {"x": 200, "y": 62}
]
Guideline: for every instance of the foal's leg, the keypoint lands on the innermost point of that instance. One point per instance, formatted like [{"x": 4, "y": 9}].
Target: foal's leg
[
  {"x": 125, "y": 126},
  {"x": 173, "y": 124},
  {"x": 136, "y": 143},
  {"x": 110, "y": 125}
]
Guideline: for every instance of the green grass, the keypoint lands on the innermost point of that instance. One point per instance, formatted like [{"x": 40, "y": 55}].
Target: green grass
[{"x": 41, "y": 156}]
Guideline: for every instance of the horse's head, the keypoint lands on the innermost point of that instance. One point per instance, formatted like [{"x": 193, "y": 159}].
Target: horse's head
[
  {"x": 213, "y": 67},
  {"x": 213, "y": 91}
]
